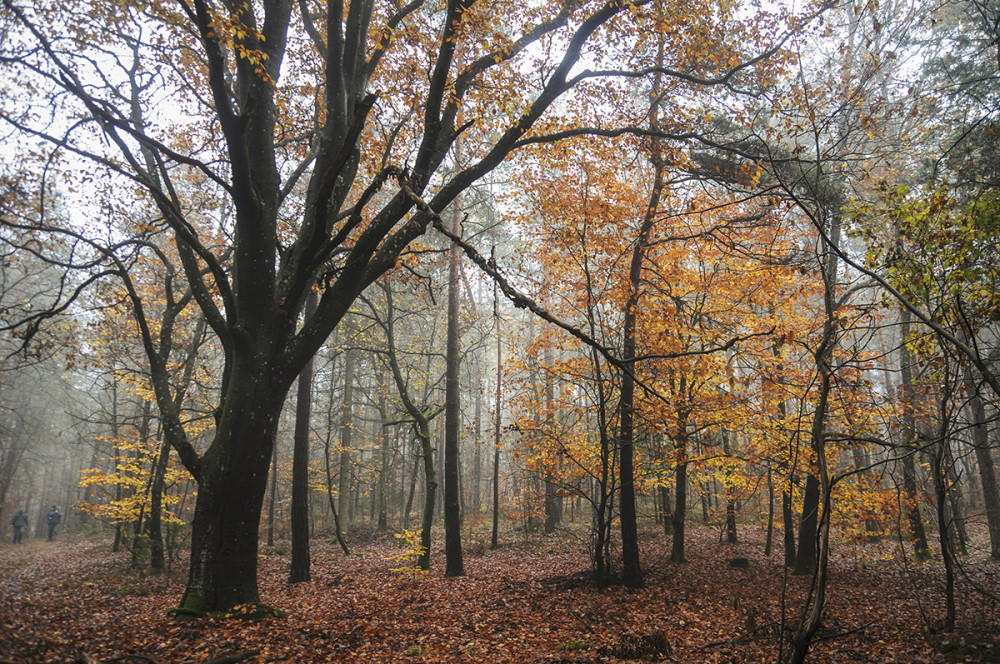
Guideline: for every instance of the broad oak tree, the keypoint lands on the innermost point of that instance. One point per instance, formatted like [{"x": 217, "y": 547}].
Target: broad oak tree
[{"x": 320, "y": 134}]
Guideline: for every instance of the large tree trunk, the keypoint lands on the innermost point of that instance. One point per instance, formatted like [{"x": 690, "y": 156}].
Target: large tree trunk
[{"x": 231, "y": 488}]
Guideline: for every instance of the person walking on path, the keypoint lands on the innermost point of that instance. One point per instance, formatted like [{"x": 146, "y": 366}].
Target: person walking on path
[
  {"x": 53, "y": 518},
  {"x": 20, "y": 523}
]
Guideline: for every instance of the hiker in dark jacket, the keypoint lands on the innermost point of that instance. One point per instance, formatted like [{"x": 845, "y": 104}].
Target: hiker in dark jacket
[
  {"x": 53, "y": 518},
  {"x": 20, "y": 523}
]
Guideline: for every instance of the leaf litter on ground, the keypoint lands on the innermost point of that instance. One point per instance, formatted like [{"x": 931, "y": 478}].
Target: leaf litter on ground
[{"x": 72, "y": 600}]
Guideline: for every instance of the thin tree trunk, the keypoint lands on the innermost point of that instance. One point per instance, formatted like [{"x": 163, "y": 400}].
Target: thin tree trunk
[
  {"x": 680, "y": 502},
  {"x": 332, "y": 502},
  {"x": 787, "y": 516},
  {"x": 631, "y": 571},
  {"x": 788, "y": 526},
  {"x": 731, "y": 534},
  {"x": 452, "y": 424},
  {"x": 921, "y": 551},
  {"x": 940, "y": 468},
  {"x": 987, "y": 469},
  {"x": 768, "y": 540},
  {"x": 274, "y": 493},
  {"x": 383, "y": 449},
  {"x": 422, "y": 429},
  {"x": 551, "y": 509},
  {"x": 346, "y": 436},
  {"x": 301, "y": 562},
  {"x": 477, "y": 462},
  {"x": 154, "y": 525},
  {"x": 959, "y": 515},
  {"x": 668, "y": 513},
  {"x": 413, "y": 489},
  {"x": 494, "y": 536},
  {"x": 140, "y": 543}
]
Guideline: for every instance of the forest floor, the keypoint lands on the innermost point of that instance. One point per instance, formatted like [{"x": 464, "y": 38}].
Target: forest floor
[{"x": 72, "y": 600}]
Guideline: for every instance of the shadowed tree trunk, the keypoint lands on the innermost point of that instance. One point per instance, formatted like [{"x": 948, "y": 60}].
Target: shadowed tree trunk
[
  {"x": 987, "y": 469},
  {"x": 921, "y": 552},
  {"x": 383, "y": 453},
  {"x": 731, "y": 534},
  {"x": 154, "y": 525},
  {"x": 769, "y": 537},
  {"x": 453, "y": 413},
  {"x": 680, "y": 489},
  {"x": 805, "y": 557},
  {"x": 494, "y": 536},
  {"x": 668, "y": 512},
  {"x": 300, "y": 569},
  {"x": 787, "y": 480},
  {"x": 346, "y": 440}
]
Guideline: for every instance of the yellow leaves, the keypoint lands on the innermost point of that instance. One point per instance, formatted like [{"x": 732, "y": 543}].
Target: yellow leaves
[{"x": 409, "y": 558}]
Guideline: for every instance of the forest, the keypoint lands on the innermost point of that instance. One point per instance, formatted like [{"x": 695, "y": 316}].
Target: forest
[{"x": 499, "y": 331}]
